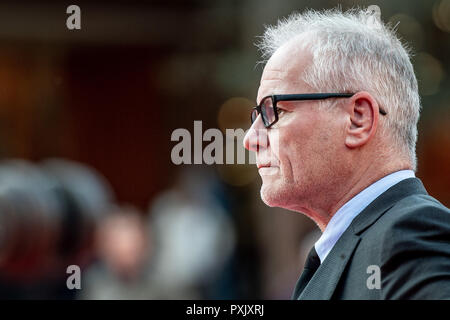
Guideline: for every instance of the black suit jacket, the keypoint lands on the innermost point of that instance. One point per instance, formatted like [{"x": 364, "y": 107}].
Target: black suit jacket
[{"x": 406, "y": 234}]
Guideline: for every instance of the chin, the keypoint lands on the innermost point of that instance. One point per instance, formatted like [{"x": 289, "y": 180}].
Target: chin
[
  {"x": 267, "y": 201},
  {"x": 273, "y": 197}
]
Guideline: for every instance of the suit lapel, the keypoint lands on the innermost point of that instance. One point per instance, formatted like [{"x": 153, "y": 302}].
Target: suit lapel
[
  {"x": 324, "y": 282},
  {"x": 384, "y": 202}
]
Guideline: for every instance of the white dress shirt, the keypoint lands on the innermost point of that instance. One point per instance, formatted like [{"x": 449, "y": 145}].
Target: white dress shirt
[{"x": 345, "y": 215}]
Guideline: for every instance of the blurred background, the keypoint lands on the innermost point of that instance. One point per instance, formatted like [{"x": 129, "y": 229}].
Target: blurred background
[{"x": 86, "y": 118}]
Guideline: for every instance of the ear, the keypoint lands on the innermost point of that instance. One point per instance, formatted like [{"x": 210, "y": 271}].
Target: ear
[{"x": 363, "y": 112}]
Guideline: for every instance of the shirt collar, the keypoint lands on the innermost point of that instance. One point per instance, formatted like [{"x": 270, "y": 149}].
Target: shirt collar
[{"x": 345, "y": 215}]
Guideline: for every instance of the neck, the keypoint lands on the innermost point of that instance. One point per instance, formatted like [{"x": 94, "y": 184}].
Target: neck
[{"x": 324, "y": 209}]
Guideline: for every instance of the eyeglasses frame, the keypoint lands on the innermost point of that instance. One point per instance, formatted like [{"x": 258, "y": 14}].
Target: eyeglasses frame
[{"x": 298, "y": 97}]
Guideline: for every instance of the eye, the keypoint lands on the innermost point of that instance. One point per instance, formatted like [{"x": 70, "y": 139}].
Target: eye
[{"x": 280, "y": 111}]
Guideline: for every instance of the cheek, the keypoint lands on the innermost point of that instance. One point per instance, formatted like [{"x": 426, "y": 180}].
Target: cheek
[
  {"x": 274, "y": 140},
  {"x": 292, "y": 152},
  {"x": 288, "y": 135},
  {"x": 304, "y": 151}
]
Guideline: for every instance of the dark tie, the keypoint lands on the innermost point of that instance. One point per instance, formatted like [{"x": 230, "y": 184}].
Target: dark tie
[{"x": 311, "y": 265}]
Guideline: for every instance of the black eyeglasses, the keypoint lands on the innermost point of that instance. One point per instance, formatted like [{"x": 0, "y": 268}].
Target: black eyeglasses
[{"x": 269, "y": 111}]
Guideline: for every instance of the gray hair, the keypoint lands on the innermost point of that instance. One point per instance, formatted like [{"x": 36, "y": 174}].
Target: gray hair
[{"x": 354, "y": 51}]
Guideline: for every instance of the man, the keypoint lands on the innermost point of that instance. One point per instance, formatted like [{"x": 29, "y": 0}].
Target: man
[{"x": 334, "y": 134}]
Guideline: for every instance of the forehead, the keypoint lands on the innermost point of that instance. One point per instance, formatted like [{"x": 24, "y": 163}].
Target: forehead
[{"x": 283, "y": 72}]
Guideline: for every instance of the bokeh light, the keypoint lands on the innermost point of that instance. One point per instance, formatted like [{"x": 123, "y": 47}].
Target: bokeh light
[
  {"x": 235, "y": 113},
  {"x": 430, "y": 73},
  {"x": 441, "y": 15},
  {"x": 409, "y": 29}
]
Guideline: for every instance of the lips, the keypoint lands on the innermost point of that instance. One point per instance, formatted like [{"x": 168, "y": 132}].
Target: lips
[
  {"x": 266, "y": 165},
  {"x": 267, "y": 162},
  {"x": 268, "y": 170}
]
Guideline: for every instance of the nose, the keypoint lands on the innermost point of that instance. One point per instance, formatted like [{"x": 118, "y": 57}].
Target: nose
[{"x": 256, "y": 137}]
